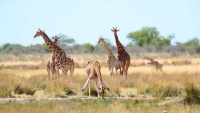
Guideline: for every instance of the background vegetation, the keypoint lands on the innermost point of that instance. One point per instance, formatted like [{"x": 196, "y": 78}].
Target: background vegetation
[{"x": 146, "y": 40}]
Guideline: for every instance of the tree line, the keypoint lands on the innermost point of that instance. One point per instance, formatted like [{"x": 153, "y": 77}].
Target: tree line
[{"x": 147, "y": 39}]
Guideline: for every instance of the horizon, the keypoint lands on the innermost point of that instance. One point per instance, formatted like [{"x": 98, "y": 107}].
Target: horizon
[{"x": 86, "y": 21}]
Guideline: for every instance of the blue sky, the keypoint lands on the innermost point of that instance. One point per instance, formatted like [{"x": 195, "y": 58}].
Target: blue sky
[{"x": 86, "y": 20}]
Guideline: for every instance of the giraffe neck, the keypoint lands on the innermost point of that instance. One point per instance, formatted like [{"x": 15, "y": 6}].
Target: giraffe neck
[
  {"x": 107, "y": 50},
  {"x": 120, "y": 47},
  {"x": 52, "y": 46}
]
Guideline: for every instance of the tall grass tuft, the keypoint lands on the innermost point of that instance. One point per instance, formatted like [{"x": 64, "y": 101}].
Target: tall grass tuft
[
  {"x": 192, "y": 94},
  {"x": 181, "y": 62},
  {"x": 7, "y": 84}
]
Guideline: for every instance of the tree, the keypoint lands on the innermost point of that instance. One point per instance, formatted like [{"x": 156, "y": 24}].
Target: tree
[
  {"x": 87, "y": 48},
  {"x": 9, "y": 46},
  {"x": 45, "y": 47},
  {"x": 65, "y": 40},
  {"x": 192, "y": 42},
  {"x": 149, "y": 36}
]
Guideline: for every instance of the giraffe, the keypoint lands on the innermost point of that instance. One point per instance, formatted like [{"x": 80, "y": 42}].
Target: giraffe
[
  {"x": 50, "y": 62},
  {"x": 61, "y": 60},
  {"x": 70, "y": 67},
  {"x": 112, "y": 61},
  {"x": 93, "y": 71},
  {"x": 158, "y": 66},
  {"x": 123, "y": 56},
  {"x": 155, "y": 64},
  {"x": 151, "y": 63}
]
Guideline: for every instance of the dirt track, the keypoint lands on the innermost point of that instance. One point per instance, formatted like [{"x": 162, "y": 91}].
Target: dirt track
[{"x": 26, "y": 100}]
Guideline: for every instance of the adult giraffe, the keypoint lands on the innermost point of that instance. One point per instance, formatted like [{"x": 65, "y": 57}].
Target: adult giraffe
[
  {"x": 123, "y": 56},
  {"x": 61, "y": 60},
  {"x": 93, "y": 70},
  {"x": 112, "y": 61}
]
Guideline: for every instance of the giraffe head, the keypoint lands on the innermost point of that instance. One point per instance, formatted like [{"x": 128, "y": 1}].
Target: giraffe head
[
  {"x": 114, "y": 30},
  {"x": 38, "y": 33},
  {"x": 55, "y": 39},
  {"x": 101, "y": 39}
]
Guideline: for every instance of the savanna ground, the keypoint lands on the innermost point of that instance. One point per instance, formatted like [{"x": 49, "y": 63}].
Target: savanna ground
[{"x": 176, "y": 89}]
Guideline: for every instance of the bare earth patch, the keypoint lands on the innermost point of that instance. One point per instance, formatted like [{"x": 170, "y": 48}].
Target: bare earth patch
[{"x": 127, "y": 94}]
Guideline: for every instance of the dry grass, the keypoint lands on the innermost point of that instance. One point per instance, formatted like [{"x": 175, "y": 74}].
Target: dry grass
[
  {"x": 145, "y": 80},
  {"x": 141, "y": 79},
  {"x": 81, "y": 59}
]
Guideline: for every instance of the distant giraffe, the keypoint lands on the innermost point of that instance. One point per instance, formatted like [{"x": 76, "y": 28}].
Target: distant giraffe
[
  {"x": 112, "y": 61},
  {"x": 93, "y": 71},
  {"x": 61, "y": 60},
  {"x": 155, "y": 64},
  {"x": 151, "y": 63},
  {"x": 123, "y": 56},
  {"x": 158, "y": 66}
]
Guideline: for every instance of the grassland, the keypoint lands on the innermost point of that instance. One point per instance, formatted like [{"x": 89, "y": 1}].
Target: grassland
[
  {"x": 96, "y": 106},
  {"x": 144, "y": 91}
]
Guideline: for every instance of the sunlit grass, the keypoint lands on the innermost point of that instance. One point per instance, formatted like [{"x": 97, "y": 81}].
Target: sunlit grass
[
  {"x": 142, "y": 82},
  {"x": 146, "y": 81},
  {"x": 81, "y": 60}
]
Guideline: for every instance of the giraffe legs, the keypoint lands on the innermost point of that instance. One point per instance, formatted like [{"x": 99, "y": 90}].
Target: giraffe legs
[
  {"x": 52, "y": 68},
  {"x": 110, "y": 67},
  {"x": 159, "y": 67},
  {"x": 116, "y": 70},
  {"x": 116, "y": 66},
  {"x": 111, "y": 72},
  {"x": 89, "y": 91},
  {"x": 88, "y": 80},
  {"x": 97, "y": 87},
  {"x": 71, "y": 71},
  {"x": 96, "y": 81},
  {"x": 48, "y": 69},
  {"x": 57, "y": 73},
  {"x": 126, "y": 67},
  {"x": 123, "y": 68},
  {"x": 64, "y": 71}
]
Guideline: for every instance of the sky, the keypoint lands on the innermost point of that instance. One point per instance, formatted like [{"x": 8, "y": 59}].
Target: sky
[{"x": 86, "y": 20}]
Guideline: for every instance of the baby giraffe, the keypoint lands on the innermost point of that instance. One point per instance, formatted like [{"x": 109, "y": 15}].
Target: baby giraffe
[
  {"x": 112, "y": 61},
  {"x": 93, "y": 71},
  {"x": 50, "y": 63}
]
